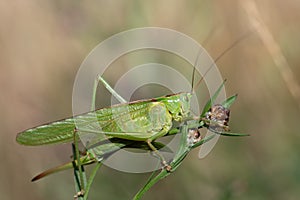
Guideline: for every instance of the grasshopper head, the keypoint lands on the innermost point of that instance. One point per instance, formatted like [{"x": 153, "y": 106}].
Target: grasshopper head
[
  {"x": 185, "y": 104},
  {"x": 179, "y": 105}
]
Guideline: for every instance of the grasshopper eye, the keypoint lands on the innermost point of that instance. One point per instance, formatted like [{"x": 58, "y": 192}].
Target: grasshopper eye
[{"x": 185, "y": 98}]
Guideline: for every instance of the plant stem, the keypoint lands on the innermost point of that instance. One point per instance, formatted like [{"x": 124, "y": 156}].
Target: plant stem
[
  {"x": 79, "y": 166},
  {"x": 150, "y": 183},
  {"x": 91, "y": 178}
]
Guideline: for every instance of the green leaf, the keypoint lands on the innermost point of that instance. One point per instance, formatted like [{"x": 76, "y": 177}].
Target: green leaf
[
  {"x": 228, "y": 102},
  {"x": 234, "y": 134},
  {"x": 229, "y": 133}
]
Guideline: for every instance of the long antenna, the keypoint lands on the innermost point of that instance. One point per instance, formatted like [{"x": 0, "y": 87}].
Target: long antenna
[
  {"x": 236, "y": 42},
  {"x": 193, "y": 74}
]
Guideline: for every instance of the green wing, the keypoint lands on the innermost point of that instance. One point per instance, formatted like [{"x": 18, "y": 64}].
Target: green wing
[
  {"x": 52, "y": 133},
  {"x": 127, "y": 121}
]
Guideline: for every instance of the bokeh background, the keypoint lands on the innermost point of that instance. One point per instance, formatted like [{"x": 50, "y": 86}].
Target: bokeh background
[{"x": 42, "y": 44}]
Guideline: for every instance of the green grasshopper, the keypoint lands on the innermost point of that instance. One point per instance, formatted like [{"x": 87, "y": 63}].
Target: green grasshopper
[
  {"x": 156, "y": 115},
  {"x": 143, "y": 122}
]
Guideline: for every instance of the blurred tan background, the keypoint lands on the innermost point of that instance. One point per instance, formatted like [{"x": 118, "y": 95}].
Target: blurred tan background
[{"x": 42, "y": 45}]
